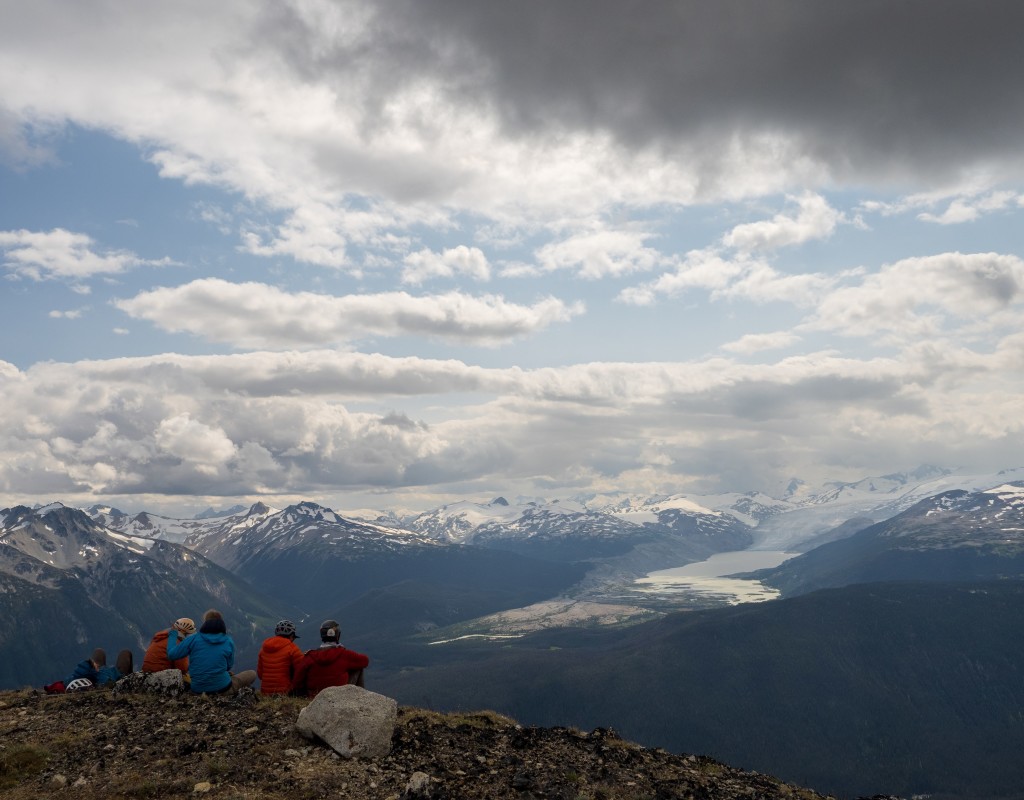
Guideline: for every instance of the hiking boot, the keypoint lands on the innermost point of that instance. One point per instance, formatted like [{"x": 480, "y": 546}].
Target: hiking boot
[{"x": 125, "y": 662}]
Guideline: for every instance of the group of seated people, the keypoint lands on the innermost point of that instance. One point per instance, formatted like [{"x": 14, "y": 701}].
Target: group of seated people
[{"x": 206, "y": 659}]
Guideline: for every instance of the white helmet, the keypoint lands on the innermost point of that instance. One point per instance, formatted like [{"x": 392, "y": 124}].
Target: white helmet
[{"x": 78, "y": 684}]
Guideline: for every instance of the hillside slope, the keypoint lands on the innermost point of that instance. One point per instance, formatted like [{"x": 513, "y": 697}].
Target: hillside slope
[
  {"x": 913, "y": 688},
  {"x": 107, "y": 745}
]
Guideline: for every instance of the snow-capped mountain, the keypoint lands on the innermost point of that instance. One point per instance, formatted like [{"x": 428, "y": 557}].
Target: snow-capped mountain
[
  {"x": 569, "y": 530},
  {"x": 953, "y": 535},
  {"x": 81, "y": 585},
  {"x": 58, "y": 537},
  {"x": 878, "y": 498},
  {"x": 154, "y": 526},
  {"x": 320, "y": 560},
  {"x": 235, "y": 540}
]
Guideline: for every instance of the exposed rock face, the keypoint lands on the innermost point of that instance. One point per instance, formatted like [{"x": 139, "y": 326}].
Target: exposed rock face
[
  {"x": 168, "y": 682},
  {"x": 351, "y": 721}
]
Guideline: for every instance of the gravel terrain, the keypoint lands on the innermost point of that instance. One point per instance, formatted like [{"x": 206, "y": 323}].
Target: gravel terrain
[{"x": 110, "y": 744}]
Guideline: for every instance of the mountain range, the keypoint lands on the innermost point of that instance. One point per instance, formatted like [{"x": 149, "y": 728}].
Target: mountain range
[
  {"x": 955, "y": 535},
  {"x": 68, "y": 585},
  {"x": 428, "y": 594}
]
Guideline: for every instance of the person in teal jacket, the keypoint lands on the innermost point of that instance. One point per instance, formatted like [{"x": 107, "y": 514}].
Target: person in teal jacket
[{"x": 211, "y": 656}]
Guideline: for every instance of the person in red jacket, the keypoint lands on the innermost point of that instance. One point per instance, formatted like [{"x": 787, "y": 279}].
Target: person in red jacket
[
  {"x": 278, "y": 658},
  {"x": 328, "y": 665},
  {"x": 156, "y": 658}
]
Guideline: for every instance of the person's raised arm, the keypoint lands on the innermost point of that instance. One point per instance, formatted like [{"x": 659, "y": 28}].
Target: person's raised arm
[{"x": 176, "y": 649}]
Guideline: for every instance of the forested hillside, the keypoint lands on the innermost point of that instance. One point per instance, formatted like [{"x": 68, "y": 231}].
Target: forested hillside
[{"x": 910, "y": 688}]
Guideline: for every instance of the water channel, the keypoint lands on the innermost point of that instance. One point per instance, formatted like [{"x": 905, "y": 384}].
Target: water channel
[{"x": 707, "y": 578}]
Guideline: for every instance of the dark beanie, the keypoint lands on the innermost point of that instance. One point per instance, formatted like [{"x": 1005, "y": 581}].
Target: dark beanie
[{"x": 214, "y": 626}]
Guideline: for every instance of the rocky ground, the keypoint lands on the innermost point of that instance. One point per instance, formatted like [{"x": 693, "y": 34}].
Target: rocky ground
[{"x": 109, "y": 744}]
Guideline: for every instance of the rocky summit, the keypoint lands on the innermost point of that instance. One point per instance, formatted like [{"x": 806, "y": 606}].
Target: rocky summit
[{"x": 116, "y": 744}]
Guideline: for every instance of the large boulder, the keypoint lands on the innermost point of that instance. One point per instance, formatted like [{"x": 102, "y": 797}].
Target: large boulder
[
  {"x": 170, "y": 682},
  {"x": 351, "y": 721}
]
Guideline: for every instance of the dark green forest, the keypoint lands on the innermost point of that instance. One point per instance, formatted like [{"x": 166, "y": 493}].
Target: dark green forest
[{"x": 908, "y": 688}]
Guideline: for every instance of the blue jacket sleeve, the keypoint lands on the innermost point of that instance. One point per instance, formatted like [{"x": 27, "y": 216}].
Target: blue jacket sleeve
[{"x": 176, "y": 649}]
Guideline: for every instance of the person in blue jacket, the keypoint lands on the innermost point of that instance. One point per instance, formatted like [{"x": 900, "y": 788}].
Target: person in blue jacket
[
  {"x": 211, "y": 656},
  {"x": 95, "y": 668}
]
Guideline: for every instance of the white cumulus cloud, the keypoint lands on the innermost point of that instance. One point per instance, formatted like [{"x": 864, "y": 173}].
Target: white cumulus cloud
[{"x": 255, "y": 315}]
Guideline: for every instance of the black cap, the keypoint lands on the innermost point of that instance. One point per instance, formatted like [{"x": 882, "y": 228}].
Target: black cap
[{"x": 330, "y": 630}]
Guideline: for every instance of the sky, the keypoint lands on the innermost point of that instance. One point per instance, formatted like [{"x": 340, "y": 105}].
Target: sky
[{"x": 392, "y": 254}]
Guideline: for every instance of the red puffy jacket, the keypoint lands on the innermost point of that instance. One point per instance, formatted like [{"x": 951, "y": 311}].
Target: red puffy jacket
[
  {"x": 326, "y": 666},
  {"x": 276, "y": 664}
]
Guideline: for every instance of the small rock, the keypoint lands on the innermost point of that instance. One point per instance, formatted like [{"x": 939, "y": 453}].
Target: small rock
[
  {"x": 109, "y": 747},
  {"x": 250, "y": 731},
  {"x": 292, "y": 753},
  {"x": 79, "y": 783},
  {"x": 59, "y": 781},
  {"x": 521, "y": 781},
  {"x": 202, "y": 787},
  {"x": 417, "y": 783}
]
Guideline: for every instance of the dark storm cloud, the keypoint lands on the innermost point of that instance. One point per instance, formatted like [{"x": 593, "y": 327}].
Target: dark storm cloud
[{"x": 869, "y": 85}]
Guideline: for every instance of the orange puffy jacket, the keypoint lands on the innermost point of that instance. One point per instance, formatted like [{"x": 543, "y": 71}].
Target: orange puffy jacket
[
  {"x": 276, "y": 664},
  {"x": 156, "y": 659}
]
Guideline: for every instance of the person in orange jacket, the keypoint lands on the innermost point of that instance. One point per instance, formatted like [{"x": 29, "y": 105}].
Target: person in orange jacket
[
  {"x": 278, "y": 659},
  {"x": 156, "y": 658}
]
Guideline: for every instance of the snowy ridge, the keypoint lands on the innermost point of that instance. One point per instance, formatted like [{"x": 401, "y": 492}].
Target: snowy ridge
[
  {"x": 62, "y": 537},
  {"x": 235, "y": 540}
]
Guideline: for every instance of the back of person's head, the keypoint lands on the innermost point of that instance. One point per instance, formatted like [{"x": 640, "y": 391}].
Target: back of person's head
[
  {"x": 286, "y": 628},
  {"x": 99, "y": 657},
  {"x": 330, "y": 631},
  {"x": 185, "y": 626},
  {"x": 213, "y": 622}
]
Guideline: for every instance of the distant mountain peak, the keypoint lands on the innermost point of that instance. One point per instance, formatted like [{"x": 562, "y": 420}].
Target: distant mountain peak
[
  {"x": 211, "y": 512},
  {"x": 499, "y": 501}
]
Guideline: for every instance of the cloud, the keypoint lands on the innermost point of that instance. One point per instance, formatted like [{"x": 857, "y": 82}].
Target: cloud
[
  {"x": 64, "y": 255},
  {"x": 866, "y": 88},
  {"x": 23, "y": 146},
  {"x": 699, "y": 269},
  {"x": 815, "y": 220},
  {"x": 601, "y": 253},
  {"x": 917, "y": 296},
  {"x": 347, "y": 133},
  {"x": 75, "y": 313},
  {"x": 255, "y": 315},
  {"x": 964, "y": 201},
  {"x": 756, "y": 342},
  {"x": 461, "y": 260},
  {"x": 280, "y": 423},
  {"x": 971, "y": 208}
]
